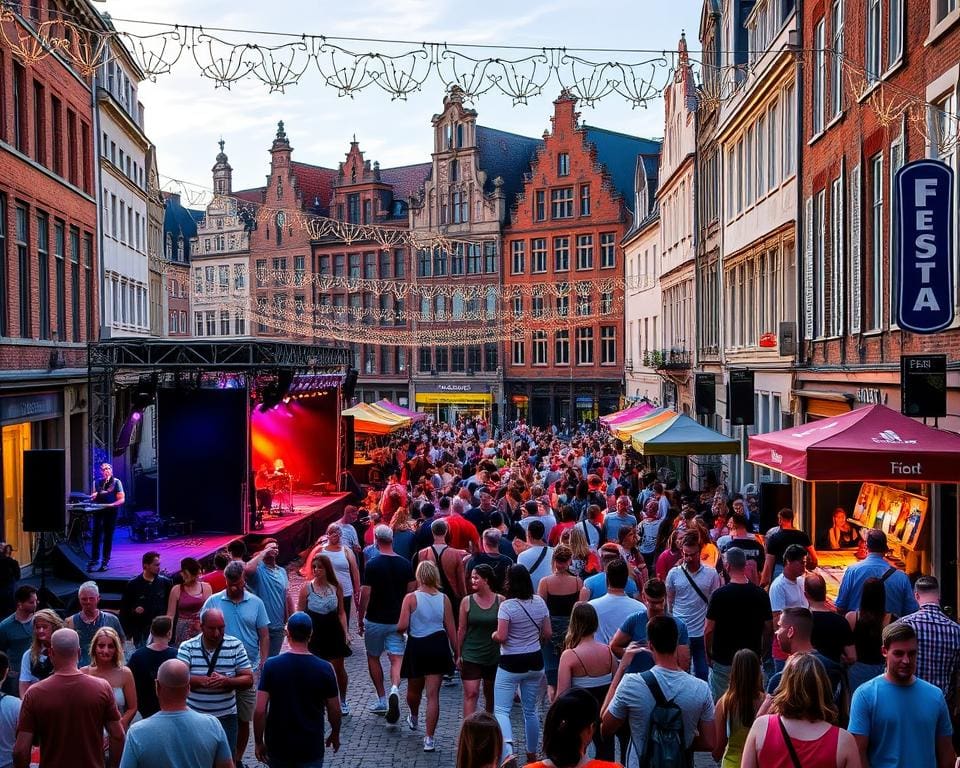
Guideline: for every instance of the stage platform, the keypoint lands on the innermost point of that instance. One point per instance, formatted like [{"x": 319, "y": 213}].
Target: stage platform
[{"x": 294, "y": 533}]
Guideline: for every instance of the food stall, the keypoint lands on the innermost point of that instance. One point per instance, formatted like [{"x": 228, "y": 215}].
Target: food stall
[{"x": 879, "y": 468}]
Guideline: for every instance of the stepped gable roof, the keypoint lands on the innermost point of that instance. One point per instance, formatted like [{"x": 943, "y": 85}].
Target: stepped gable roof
[
  {"x": 254, "y": 195},
  {"x": 406, "y": 180},
  {"x": 315, "y": 183},
  {"x": 507, "y": 155},
  {"x": 618, "y": 152}
]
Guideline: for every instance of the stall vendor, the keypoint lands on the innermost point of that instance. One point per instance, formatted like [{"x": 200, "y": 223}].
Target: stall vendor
[{"x": 842, "y": 534}]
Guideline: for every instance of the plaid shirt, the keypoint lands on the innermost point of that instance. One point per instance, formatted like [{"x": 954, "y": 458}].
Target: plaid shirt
[{"x": 938, "y": 661}]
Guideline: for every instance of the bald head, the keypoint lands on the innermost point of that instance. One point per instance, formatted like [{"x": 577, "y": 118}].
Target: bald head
[
  {"x": 173, "y": 685},
  {"x": 64, "y": 649}
]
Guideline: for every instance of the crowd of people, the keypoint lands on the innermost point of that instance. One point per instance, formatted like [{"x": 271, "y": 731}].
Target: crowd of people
[{"x": 634, "y": 622}]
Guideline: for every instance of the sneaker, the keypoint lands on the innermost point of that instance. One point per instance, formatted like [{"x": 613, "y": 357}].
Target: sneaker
[
  {"x": 379, "y": 707},
  {"x": 104, "y": 565},
  {"x": 411, "y": 723},
  {"x": 345, "y": 708},
  {"x": 393, "y": 707},
  {"x": 92, "y": 566},
  {"x": 428, "y": 744}
]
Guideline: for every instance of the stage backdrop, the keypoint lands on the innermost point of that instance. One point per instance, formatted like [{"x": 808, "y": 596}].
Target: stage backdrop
[
  {"x": 303, "y": 433},
  {"x": 202, "y": 457}
]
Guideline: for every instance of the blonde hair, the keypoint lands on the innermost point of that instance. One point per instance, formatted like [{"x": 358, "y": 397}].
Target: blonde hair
[
  {"x": 53, "y": 619},
  {"x": 577, "y": 542},
  {"x": 428, "y": 574},
  {"x": 401, "y": 520},
  {"x": 117, "y": 646},
  {"x": 583, "y": 622},
  {"x": 804, "y": 692}
]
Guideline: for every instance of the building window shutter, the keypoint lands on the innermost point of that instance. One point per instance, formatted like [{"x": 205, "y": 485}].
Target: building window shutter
[
  {"x": 855, "y": 266},
  {"x": 841, "y": 251},
  {"x": 808, "y": 298}
]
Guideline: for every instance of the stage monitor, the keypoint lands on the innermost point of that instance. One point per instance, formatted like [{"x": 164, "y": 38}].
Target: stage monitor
[{"x": 202, "y": 458}]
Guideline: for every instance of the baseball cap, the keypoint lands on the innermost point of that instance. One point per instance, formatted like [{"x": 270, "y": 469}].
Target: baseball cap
[{"x": 300, "y": 621}]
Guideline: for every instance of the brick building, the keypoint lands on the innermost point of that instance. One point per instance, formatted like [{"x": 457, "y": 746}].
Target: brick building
[
  {"x": 368, "y": 194},
  {"x": 179, "y": 233},
  {"x": 49, "y": 263},
  {"x": 855, "y": 135},
  {"x": 565, "y": 230},
  {"x": 476, "y": 172}
]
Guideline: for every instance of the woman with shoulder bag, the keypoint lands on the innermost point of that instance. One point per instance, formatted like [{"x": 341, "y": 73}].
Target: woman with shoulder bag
[{"x": 523, "y": 623}]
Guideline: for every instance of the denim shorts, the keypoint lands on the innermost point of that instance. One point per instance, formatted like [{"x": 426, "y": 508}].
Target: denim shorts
[{"x": 378, "y": 638}]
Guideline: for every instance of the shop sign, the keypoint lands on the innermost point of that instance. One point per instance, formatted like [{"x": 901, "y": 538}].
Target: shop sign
[
  {"x": 45, "y": 405},
  {"x": 454, "y": 388},
  {"x": 871, "y": 396},
  {"x": 925, "y": 246}
]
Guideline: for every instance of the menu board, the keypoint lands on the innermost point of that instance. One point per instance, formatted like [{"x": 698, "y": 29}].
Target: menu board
[{"x": 897, "y": 513}]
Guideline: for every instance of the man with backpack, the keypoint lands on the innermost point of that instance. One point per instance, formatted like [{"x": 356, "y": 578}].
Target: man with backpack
[{"x": 669, "y": 711}]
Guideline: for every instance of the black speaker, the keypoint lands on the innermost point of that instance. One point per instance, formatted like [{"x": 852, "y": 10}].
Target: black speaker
[
  {"x": 923, "y": 385},
  {"x": 350, "y": 385},
  {"x": 740, "y": 397},
  {"x": 705, "y": 391},
  {"x": 773, "y": 498},
  {"x": 349, "y": 441},
  {"x": 44, "y": 490}
]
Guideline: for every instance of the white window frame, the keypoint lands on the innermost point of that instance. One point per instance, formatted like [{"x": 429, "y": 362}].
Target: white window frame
[
  {"x": 873, "y": 40},
  {"x": 819, "y": 76},
  {"x": 836, "y": 57},
  {"x": 877, "y": 186}
]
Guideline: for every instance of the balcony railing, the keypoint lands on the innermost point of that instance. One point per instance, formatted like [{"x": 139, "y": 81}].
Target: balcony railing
[{"x": 667, "y": 359}]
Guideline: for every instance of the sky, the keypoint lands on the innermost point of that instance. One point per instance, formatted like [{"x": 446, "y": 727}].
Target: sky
[{"x": 186, "y": 115}]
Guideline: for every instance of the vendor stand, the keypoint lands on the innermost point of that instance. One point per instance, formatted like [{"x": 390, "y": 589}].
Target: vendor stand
[{"x": 883, "y": 470}]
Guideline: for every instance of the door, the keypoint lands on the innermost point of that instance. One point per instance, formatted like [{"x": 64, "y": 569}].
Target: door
[{"x": 16, "y": 440}]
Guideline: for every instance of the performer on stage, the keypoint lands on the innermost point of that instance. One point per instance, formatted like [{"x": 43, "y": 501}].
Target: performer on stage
[
  {"x": 108, "y": 490},
  {"x": 262, "y": 484}
]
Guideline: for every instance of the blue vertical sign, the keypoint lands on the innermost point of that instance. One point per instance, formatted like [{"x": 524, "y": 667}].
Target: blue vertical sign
[{"x": 925, "y": 246}]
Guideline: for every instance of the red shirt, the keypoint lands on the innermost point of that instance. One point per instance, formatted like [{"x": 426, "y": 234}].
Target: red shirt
[
  {"x": 66, "y": 715},
  {"x": 665, "y": 562},
  {"x": 462, "y": 532},
  {"x": 216, "y": 580},
  {"x": 557, "y": 530}
]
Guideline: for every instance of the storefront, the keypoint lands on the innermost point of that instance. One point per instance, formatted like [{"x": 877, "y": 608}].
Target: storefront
[
  {"x": 883, "y": 470},
  {"x": 51, "y": 417},
  {"x": 447, "y": 402},
  {"x": 561, "y": 402}
]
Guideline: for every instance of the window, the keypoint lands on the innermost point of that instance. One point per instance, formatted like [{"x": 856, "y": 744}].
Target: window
[
  {"x": 43, "y": 273},
  {"x": 425, "y": 359},
  {"x": 473, "y": 259},
  {"x": 517, "y": 257},
  {"x": 536, "y": 306},
  {"x": 608, "y": 252},
  {"x": 819, "y": 277},
  {"x": 23, "y": 269},
  {"x": 299, "y": 270},
  {"x": 239, "y": 276},
  {"x": 606, "y": 302},
  {"x": 944, "y": 8},
  {"x": 3, "y": 265},
  {"x": 561, "y": 348},
  {"x": 561, "y": 203},
  {"x": 353, "y": 209},
  {"x": 772, "y": 147},
  {"x": 261, "y": 273},
  {"x": 539, "y": 205},
  {"x": 836, "y": 58},
  {"x": 895, "y": 32},
  {"x": 424, "y": 263},
  {"x": 491, "y": 357},
  {"x": 873, "y": 36},
  {"x": 209, "y": 273},
  {"x": 75, "y": 282},
  {"x": 19, "y": 108},
  {"x": 561, "y": 254},
  {"x": 563, "y": 164},
  {"x": 563, "y": 305},
  {"x": 875, "y": 291},
  {"x": 460, "y": 206},
  {"x": 39, "y": 124},
  {"x": 440, "y": 308},
  {"x": 538, "y": 255},
  {"x": 223, "y": 278},
  {"x": 198, "y": 323},
  {"x": 474, "y": 357},
  {"x": 224, "y": 322},
  {"x": 354, "y": 261},
  {"x": 369, "y": 358},
  {"x": 608, "y": 344},
  {"x": 517, "y": 352},
  {"x": 211, "y": 322},
  {"x": 539, "y": 348},
  {"x": 761, "y": 162},
  {"x": 584, "y": 251},
  {"x": 490, "y": 257},
  {"x": 837, "y": 270},
  {"x": 60, "y": 282},
  {"x": 789, "y": 137},
  {"x": 819, "y": 74},
  {"x": 584, "y": 302},
  {"x": 584, "y": 199},
  {"x": 442, "y": 359},
  {"x": 439, "y": 262},
  {"x": 748, "y": 167},
  {"x": 584, "y": 346},
  {"x": 399, "y": 263}
]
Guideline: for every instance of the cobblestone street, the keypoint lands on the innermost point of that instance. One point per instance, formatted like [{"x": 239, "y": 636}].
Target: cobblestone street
[{"x": 367, "y": 741}]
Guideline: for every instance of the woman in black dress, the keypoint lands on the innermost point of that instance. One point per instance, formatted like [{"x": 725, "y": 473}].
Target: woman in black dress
[{"x": 322, "y": 599}]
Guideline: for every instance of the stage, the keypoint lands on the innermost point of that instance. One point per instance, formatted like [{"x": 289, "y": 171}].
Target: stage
[{"x": 294, "y": 533}]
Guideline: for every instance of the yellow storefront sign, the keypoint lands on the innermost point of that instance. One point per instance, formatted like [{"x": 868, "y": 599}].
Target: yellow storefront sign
[{"x": 441, "y": 398}]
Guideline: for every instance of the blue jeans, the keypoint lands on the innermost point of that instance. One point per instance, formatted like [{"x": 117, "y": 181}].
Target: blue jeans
[
  {"x": 504, "y": 686},
  {"x": 229, "y": 723},
  {"x": 698, "y": 658},
  {"x": 719, "y": 679},
  {"x": 276, "y": 641}
]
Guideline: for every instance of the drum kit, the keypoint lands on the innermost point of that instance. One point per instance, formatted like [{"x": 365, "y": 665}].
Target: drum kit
[{"x": 281, "y": 488}]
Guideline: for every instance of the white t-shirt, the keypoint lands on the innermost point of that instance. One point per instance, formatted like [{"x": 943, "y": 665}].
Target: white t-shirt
[
  {"x": 634, "y": 702},
  {"x": 526, "y": 619},
  {"x": 688, "y": 606},
  {"x": 612, "y": 611},
  {"x": 529, "y": 557},
  {"x": 785, "y": 593}
]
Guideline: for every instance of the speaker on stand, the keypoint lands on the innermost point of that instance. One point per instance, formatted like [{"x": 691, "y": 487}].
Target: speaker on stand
[{"x": 44, "y": 505}]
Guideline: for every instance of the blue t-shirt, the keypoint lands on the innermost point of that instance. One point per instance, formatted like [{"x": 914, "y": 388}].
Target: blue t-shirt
[
  {"x": 636, "y": 628},
  {"x": 887, "y": 715},
  {"x": 243, "y": 620},
  {"x": 183, "y": 738},
  {"x": 597, "y": 584},
  {"x": 299, "y": 685},
  {"x": 270, "y": 585},
  {"x": 613, "y": 522}
]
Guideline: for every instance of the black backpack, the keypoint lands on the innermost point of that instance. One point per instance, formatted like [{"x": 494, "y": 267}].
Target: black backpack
[{"x": 665, "y": 746}]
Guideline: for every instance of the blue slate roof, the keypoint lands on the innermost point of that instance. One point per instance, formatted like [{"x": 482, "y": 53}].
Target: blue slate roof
[
  {"x": 506, "y": 155},
  {"x": 618, "y": 152},
  {"x": 180, "y": 222}
]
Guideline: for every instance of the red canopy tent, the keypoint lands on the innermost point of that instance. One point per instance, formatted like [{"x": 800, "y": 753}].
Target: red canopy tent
[{"x": 870, "y": 443}]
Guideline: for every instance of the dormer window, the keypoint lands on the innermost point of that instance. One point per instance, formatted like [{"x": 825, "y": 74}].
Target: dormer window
[
  {"x": 454, "y": 170},
  {"x": 448, "y": 137},
  {"x": 563, "y": 164},
  {"x": 459, "y": 135}
]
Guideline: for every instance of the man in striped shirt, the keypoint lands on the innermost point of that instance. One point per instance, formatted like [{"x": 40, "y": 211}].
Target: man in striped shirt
[
  {"x": 219, "y": 667},
  {"x": 938, "y": 660}
]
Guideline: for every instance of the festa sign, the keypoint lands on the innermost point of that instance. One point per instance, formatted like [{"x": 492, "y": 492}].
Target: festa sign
[{"x": 925, "y": 246}]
